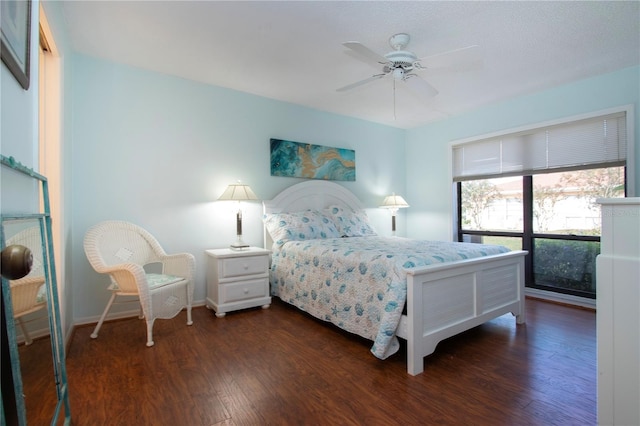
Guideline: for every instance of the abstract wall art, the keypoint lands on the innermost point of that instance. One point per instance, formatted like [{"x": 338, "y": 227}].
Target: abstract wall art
[{"x": 304, "y": 160}]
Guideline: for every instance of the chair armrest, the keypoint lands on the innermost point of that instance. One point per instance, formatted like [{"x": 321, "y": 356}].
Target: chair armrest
[
  {"x": 24, "y": 293},
  {"x": 180, "y": 264},
  {"x": 129, "y": 277}
]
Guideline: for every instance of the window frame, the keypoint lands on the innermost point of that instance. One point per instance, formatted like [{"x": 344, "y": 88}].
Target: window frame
[{"x": 528, "y": 235}]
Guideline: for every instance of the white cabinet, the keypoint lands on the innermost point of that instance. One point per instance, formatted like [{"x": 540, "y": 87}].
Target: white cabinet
[
  {"x": 618, "y": 313},
  {"x": 237, "y": 279}
]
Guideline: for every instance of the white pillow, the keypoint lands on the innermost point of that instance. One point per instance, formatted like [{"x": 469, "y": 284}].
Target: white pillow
[
  {"x": 299, "y": 226},
  {"x": 351, "y": 223}
]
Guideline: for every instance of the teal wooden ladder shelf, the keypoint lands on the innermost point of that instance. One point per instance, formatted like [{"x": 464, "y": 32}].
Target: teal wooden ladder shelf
[{"x": 21, "y": 178}]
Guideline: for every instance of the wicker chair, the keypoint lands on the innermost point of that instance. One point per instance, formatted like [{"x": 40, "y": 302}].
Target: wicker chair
[
  {"x": 27, "y": 293},
  {"x": 122, "y": 249}
]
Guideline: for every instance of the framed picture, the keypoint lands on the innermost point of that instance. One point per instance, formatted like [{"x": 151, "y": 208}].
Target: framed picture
[
  {"x": 15, "y": 27},
  {"x": 305, "y": 160}
]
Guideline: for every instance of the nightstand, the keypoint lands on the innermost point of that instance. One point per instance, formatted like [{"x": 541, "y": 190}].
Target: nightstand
[{"x": 237, "y": 279}]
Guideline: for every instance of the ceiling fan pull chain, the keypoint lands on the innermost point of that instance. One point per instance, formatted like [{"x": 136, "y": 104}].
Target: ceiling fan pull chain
[{"x": 394, "y": 99}]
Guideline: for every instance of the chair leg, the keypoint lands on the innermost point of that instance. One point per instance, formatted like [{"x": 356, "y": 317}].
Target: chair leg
[
  {"x": 189, "y": 302},
  {"x": 25, "y": 333},
  {"x": 150, "y": 332},
  {"x": 104, "y": 314}
]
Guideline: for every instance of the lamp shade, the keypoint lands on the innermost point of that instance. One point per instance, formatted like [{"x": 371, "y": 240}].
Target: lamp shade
[
  {"x": 238, "y": 192},
  {"x": 394, "y": 201}
]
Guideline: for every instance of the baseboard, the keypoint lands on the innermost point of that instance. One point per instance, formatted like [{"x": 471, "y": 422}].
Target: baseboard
[
  {"x": 565, "y": 299},
  {"x": 120, "y": 315},
  {"x": 34, "y": 334}
]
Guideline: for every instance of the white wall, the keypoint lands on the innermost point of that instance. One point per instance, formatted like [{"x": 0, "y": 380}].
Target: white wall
[
  {"x": 158, "y": 150},
  {"x": 428, "y": 161}
]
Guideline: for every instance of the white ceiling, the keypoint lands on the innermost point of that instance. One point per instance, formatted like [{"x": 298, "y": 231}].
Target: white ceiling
[{"x": 292, "y": 50}]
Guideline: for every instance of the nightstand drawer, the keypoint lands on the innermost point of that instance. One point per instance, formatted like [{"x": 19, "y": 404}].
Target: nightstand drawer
[
  {"x": 250, "y": 289},
  {"x": 247, "y": 265}
]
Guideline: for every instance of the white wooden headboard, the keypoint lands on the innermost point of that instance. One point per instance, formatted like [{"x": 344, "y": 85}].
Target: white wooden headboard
[{"x": 313, "y": 194}]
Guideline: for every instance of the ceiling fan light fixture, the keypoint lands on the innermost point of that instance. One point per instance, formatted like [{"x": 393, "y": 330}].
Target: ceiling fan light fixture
[{"x": 398, "y": 73}]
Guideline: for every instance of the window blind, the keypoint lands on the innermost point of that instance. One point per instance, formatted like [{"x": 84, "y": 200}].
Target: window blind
[{"x": 592, "y": 142}]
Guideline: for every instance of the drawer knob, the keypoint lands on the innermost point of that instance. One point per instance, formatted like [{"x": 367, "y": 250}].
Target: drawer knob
[
  {"x": 246, "y": 291},
  {"x": 246, "y": 266}
]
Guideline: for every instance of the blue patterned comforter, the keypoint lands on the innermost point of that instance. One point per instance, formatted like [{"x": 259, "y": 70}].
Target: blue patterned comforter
[{"x": 359, "y": 284}]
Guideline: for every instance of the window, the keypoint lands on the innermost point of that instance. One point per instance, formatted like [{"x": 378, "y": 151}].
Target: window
[
  {"x": 547, "y": 204},
  {"x": 492, "y": 204},
  {"x": 565, "y": 203}
]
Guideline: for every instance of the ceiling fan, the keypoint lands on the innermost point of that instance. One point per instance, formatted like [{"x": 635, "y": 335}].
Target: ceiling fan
[{"x": 402, "y": 65}]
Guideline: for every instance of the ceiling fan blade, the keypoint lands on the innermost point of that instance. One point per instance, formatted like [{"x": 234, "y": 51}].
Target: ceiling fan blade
[
  {"x": 360, "y": 83},
  {"x": 365, "y": 52},
  {"x": 465, "y": 58},
  {"x": 419, "y": 86}
]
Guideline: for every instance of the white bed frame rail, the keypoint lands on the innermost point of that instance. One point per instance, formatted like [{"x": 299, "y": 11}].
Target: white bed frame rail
[{"x": 476, "y": 291}]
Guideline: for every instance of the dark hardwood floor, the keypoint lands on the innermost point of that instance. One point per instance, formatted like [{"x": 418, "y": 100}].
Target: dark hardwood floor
[{"x": 281, "y": 367}]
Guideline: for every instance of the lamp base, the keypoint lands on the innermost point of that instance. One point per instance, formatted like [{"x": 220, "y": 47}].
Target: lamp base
[{"x": 239, "y": 246}]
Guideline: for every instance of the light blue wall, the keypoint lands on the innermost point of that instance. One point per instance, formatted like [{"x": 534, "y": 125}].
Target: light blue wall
[
  {"x": 429, "y": 187},
  {"x": 19, "y": 108},
  {"x": 158, "y": 150}
]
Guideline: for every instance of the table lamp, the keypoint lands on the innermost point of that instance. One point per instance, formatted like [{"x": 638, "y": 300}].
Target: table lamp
[
  {"x": 394, "y": 202},
  {"x": 238, "y": 192}
]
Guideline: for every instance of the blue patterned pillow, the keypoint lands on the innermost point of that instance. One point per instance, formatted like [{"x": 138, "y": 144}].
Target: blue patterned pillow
[
  {"x": 351, "y": 223},
  {"x": 299, "y": 226}
]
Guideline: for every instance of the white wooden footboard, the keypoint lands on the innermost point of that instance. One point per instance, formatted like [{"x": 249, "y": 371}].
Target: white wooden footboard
[{"x": 445, "y": 300}]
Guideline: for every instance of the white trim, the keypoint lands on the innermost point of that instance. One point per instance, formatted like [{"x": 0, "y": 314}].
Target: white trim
[
  {"x": 631, "y": 142},
  {"x": 553, "y": 296},
  {"x": 453, "y": 207},
  {"x": 130, "y": 313}
]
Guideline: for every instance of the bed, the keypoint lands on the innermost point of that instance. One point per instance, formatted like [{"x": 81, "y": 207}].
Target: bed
[{"x": 422, "y": 302}]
